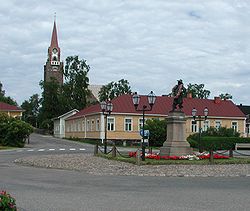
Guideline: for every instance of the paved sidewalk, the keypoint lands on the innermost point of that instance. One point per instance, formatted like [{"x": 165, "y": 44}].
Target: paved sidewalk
[{"x": 100, "y": 166}]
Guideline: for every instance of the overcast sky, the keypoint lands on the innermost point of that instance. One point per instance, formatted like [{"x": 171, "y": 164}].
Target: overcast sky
[{"x": 151, "y": 43}]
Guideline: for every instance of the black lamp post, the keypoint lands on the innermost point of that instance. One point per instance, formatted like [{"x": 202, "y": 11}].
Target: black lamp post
[
  {"x": 199, "y": 119},
  {"x": 151, "y": 101},
  {"x": 107, "y": 108}
]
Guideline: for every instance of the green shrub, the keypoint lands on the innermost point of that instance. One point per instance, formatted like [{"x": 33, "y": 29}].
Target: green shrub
[
  {"x": 13, "y": 131},
  {"x": 221, "y": 132},
  {"x": 216, "y": 143}
]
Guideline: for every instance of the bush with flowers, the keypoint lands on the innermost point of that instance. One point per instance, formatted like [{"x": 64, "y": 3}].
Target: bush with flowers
[
  {"x": 7, "y": 202},
  {"x": 196, "y": 156}
]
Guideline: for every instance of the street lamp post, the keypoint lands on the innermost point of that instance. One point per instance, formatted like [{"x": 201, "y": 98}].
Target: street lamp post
[
  {"x": 151, "y": 101},
  {"x": 199, "y": 118},
  {"x": 107, "y": 108}
]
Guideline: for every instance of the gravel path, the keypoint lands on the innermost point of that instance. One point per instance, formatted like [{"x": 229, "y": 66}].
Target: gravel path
[{"x": 100, "y": 166}]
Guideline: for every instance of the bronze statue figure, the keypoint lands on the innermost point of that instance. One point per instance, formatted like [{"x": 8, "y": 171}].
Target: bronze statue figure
[{"x": 178, "y": 92}]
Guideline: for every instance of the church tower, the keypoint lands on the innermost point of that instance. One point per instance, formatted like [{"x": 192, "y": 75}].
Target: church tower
[{"x": 53, "y": 67}]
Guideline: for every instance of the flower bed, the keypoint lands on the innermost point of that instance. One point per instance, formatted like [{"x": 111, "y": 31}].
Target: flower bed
[
  {"x": 198, "y": 156},
  {"x": 7, "y": 202}
]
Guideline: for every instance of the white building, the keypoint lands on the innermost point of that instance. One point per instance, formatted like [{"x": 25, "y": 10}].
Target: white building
[{"x": 59, "y": 123}]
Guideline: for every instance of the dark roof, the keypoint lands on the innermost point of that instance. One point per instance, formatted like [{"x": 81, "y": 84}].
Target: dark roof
[
  {"x": 163, "y": 105},
  {"x": 244, "y": 109},
  {"x": 8, "y": 107}
]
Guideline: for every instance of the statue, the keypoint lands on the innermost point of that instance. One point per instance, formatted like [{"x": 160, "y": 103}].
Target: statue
[{"x": 178, "y": 92}]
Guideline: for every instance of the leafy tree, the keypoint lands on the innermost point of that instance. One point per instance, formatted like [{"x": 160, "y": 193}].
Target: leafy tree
[
  {"x": 31, "y": 108},
  {"x": 6, "y": 99},
  {"x": 2, "y": 92},
  {"x": 73, "y": 94},
  {"x": 75, "y": 89},
  {"x": 157, "y": 131},
  {"x": 225, "y": 96},
  {"x": 114, "y": 89},
  {"x": 198, "y": 91},
  {"x": 50, "y": 101}
]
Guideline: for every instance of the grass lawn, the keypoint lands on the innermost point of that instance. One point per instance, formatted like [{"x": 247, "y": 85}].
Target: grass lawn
[
  {"x": 179, "y": 162},
  {"x": 6, "y": 147}
]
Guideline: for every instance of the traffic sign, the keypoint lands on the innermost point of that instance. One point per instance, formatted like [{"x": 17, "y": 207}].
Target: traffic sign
[{"x": 146, "y": 133}]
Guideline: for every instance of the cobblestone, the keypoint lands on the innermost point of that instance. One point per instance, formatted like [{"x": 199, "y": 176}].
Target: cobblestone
[{"x": 100, "y": 166}]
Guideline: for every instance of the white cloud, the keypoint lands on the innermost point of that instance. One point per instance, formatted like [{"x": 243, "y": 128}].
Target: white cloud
[{"x": 151, "y": 43}]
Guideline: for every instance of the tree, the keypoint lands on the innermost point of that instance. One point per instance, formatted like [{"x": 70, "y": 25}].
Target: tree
[
  {"x": 73, "y": 94},
  {"x": 31, "y": 109},
  {"x": 6, "y": 99},
  {"x": 157, "y": 131},
  {"x": 75, "y": 89},
  {"x": 225, "y": 96},
  {"x": 114, "y": 89},
  {"x": 198, "y": 91},
  {"x": 50, "y": 101}
]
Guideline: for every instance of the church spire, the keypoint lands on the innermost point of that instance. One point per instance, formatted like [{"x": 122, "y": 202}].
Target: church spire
[
  {"x": 54, "y": 41},
  {"x": 54, "y": 67}
]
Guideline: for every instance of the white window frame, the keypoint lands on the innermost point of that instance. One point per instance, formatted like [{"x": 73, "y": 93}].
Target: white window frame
[
  {"x": 140, "y": 122},
  {"x": 97, "y": 124},
  {"x": 217, "y": 121},
  {"x": 128, "y": 126},
  {"x": 92, "y": 124},
  {"x": 233, "y": 126},
  {"x": 88, "y": 125},
  {"x": 206, "y": 125},
  {"x": 109, "y": 124},
  {"x": 194, "y": 126}
]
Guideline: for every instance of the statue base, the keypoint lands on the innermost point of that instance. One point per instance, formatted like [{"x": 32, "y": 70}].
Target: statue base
[{"x": 176, "y": 143}]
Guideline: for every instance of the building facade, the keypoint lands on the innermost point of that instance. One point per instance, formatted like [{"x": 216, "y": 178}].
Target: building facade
[
  {"x": 53, "y": 69},
  {"x": 124, "y": 123},
  {"x": 59, "y": 123},
  {"x": 246, "y": 110},
  {"x": 10, "y": 110}
]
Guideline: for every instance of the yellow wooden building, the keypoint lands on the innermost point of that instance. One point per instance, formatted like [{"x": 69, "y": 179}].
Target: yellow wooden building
[
  {"x": 124, "y": 123},
  {"x": 11, "y": 110}
]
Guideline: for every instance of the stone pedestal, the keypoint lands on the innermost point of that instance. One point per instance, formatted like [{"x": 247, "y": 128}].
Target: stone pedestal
[{"x": 176, "y": 143}]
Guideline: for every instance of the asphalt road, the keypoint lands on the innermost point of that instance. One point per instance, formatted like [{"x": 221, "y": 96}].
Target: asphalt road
[{"x": 42, "y": 189}]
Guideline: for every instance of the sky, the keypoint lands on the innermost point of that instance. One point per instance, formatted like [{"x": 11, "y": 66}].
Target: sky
[{"x": 150, "y": 43}]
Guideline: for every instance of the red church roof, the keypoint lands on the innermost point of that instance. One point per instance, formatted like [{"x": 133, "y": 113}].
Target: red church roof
[
  {"x": 54, "y": 41},
  {"x": 8, "y": 107},
  {"x": 163, "y": 105}
]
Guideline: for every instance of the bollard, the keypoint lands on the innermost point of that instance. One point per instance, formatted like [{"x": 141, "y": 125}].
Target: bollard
[
  {"x": 211, "y": 157},
  {"x": 138, "y": 157},
  {"x": 231, "y": 153},
  {"x": 96, "y": 149},
  {"x": 114, "y": 151}
]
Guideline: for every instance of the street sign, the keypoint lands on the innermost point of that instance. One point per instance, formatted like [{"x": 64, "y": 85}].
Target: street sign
[{"x": 146, "y": 133}]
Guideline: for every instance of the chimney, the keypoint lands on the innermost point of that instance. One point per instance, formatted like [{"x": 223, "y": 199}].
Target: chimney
[
  {"x": 217, "y": 100},
  {"x": 189, "y": 95}
]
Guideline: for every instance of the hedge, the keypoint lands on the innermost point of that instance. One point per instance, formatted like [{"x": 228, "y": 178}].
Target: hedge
[{"x": 217, "y": 143}]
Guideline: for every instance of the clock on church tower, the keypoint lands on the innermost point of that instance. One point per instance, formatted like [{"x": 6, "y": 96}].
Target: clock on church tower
[{"x": 53, "y": 67}]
